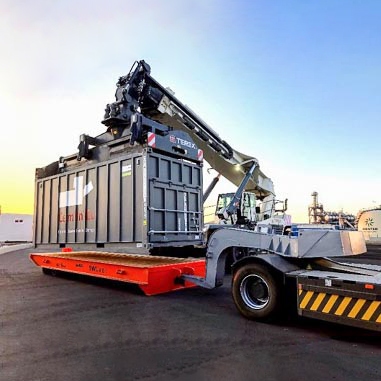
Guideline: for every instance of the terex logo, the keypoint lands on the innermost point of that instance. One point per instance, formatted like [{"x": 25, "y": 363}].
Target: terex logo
[
  {"x": 184, "y": 142},
  {"x": 76, "y": 195}
]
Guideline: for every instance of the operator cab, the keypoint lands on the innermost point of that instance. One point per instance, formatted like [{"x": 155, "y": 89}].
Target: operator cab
[
  {"x": 246, "y": 214},
  {"x": 266, "y": 216}
]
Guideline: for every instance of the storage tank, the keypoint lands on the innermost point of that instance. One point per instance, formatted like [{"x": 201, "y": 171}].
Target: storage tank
[{"x": 369, "y": 222}]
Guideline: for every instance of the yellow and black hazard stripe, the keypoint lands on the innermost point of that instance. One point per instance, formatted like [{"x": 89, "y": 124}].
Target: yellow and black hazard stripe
[{"x": 338, "y": 307}]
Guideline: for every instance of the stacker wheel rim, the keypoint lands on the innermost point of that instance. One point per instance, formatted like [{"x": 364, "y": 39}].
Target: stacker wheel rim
[{"x": 255, "y": 291}]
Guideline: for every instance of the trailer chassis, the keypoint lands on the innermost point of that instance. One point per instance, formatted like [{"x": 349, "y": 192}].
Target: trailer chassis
[{"x": 274, "y": 273}]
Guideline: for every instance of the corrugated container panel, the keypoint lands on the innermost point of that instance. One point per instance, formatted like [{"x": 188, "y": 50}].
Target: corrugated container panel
[
  {"x": 127, "y": 200},
  {"x": 114, "y": 203},
  {"x": 38, "y": 212},
  {"x": 62, "y": 187},
  {"x": 54, "y": 211},
  {"x": 91, "y": 206},
  {"x": 45, "y": 218},
  {"x": 138, "y": 199},
  {"x": 102, "y": 204}
]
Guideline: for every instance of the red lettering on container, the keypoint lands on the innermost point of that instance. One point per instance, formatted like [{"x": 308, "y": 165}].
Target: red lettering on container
[{"x": 79, "y": 216}]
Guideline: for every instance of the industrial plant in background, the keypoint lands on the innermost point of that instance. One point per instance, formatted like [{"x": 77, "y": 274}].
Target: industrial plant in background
[{"x": 317, "y": 215}]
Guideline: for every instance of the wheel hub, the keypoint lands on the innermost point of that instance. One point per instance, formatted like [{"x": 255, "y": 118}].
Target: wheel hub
[{"x": 255, "y": 291}]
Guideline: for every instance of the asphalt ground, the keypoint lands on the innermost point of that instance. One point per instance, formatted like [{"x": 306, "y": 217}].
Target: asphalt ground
[{"x": 75, "y": 328}]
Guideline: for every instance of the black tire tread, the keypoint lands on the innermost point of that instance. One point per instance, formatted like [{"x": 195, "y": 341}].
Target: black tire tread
[{"x": 272, "y": 310}]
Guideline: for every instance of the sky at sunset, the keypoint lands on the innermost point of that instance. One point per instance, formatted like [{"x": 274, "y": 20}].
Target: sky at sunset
[{"x": 294, "y": 83}]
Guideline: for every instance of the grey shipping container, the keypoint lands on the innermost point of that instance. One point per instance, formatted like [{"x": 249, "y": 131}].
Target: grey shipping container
[{"x": 136, "y": 201}]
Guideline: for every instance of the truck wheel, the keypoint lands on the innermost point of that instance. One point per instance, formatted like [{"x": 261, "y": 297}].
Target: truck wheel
[{"x": 256, "y": 293}]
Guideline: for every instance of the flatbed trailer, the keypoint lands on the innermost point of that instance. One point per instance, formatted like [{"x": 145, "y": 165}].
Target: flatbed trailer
[
  {"x": 270, "y": 278},
  {"x": 154, "y": 275}
]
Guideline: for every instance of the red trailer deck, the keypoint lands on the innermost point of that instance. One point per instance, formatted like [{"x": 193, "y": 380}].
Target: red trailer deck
[{"x": 154, "y": 275}]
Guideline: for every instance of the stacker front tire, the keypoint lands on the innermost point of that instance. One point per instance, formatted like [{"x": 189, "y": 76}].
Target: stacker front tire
[{"x": 256, "y": 292}]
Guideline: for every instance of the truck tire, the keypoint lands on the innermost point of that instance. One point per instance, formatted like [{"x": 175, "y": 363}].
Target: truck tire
[{"x": 256, "y": 292}]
